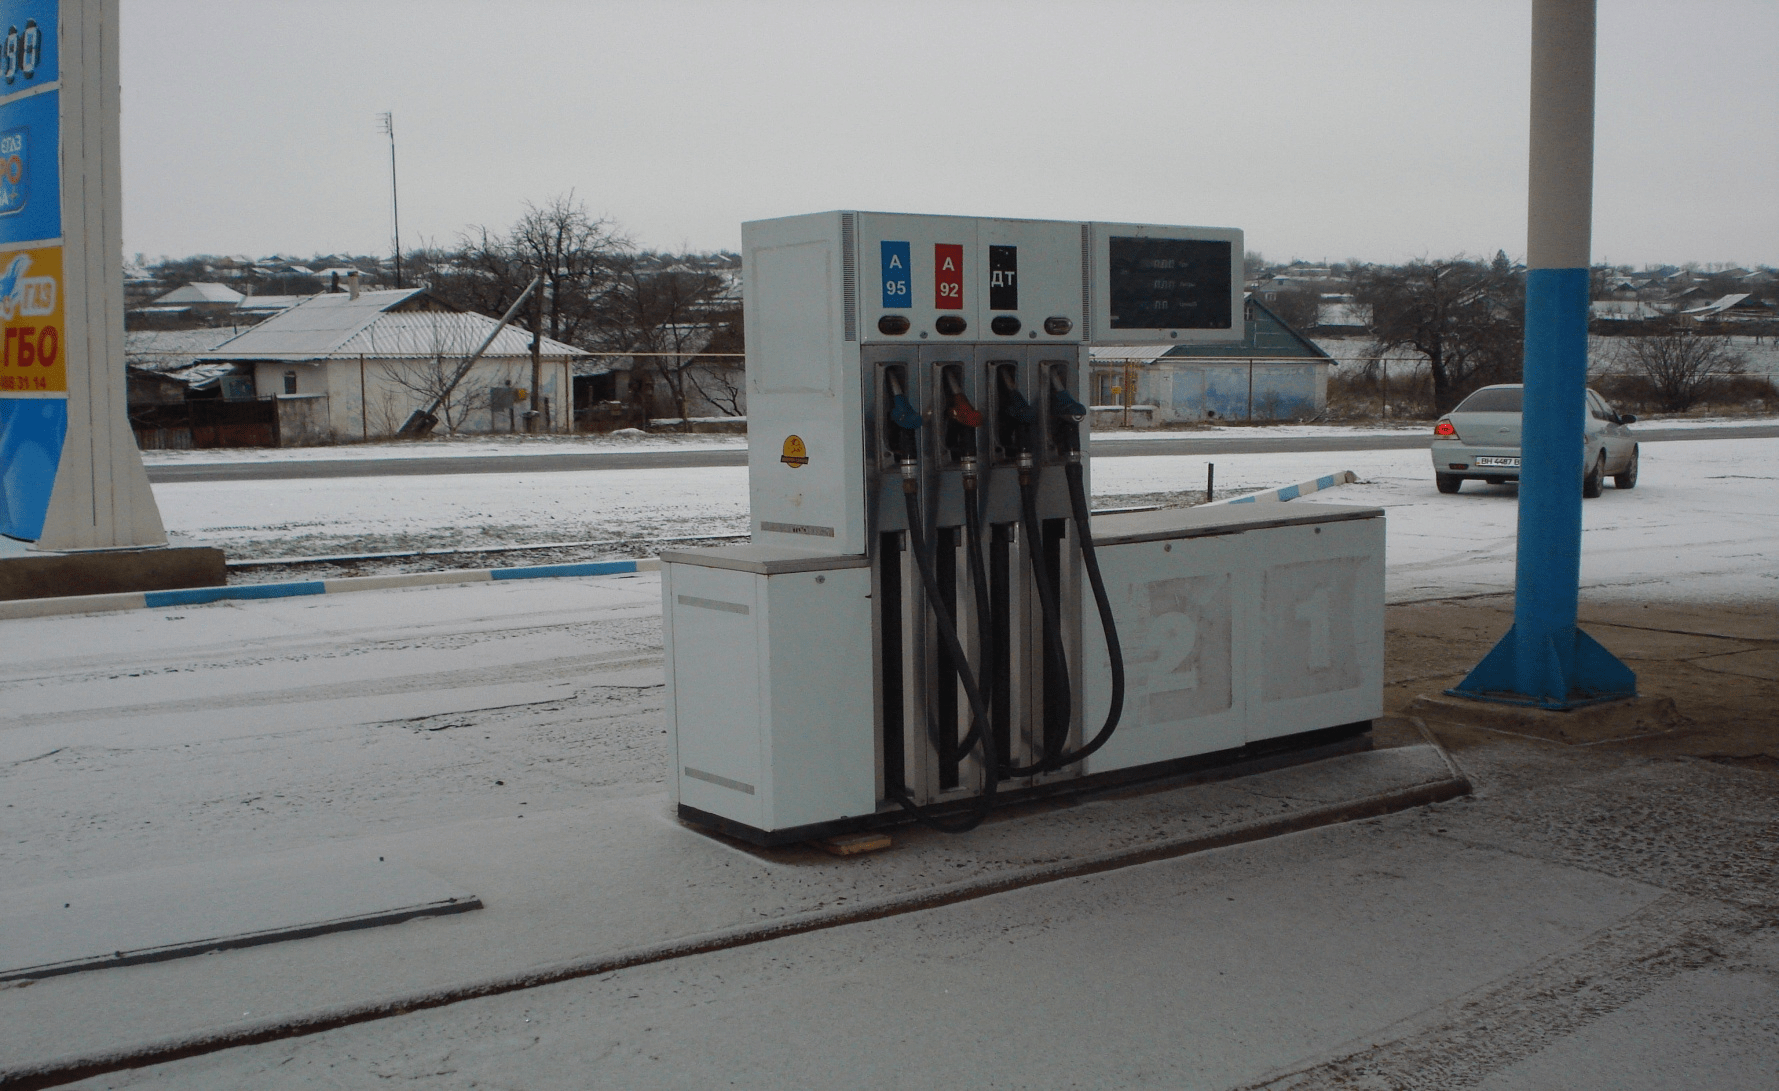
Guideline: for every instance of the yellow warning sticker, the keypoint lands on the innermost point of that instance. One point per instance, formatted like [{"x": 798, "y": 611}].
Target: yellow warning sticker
[{"x": 795, "y": 454}]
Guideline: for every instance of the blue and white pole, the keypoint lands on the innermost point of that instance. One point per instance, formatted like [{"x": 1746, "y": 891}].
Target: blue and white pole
[{"x": 1545, "y": 660}]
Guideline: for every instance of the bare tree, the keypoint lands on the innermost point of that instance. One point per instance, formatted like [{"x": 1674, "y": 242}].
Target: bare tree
[
  {"x": 718, "y": 375},
  {"x": 577, "y": 252},
  {"x": 1679, "y": 364},
  {"x": 1297, "y": 305},
  {"x": 1468, "y": 319},
  {"x": 667, "y": 313}
]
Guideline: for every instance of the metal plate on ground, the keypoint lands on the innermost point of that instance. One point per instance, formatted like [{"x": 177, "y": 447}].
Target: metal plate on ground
[{"x": 191, "y": 909}]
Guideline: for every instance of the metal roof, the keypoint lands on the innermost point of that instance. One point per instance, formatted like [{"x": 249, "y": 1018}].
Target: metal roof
[
  {"x": 335, "y": 324},
  {"x": 1265, "y": 336},
  {"x": 165, "y": 350},
  {"x": 202, "y": 292},
  {"x": 269, "y": 302},
  {"x": 1142, "y": 354},
  {"x": 1718, "y": 306}
]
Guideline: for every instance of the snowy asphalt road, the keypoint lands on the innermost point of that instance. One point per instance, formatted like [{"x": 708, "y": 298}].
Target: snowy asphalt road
[
  {"x": 1586, "y": 922},
  {"x": 1581, "y": 922},
  {"x": 734, "y": 456}
]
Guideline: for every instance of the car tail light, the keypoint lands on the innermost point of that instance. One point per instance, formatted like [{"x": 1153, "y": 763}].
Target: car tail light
[{"x": 1444, "y": 429}]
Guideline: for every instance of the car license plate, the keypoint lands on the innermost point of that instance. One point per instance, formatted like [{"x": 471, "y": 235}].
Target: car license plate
[{"x": 1495, "y": 460}]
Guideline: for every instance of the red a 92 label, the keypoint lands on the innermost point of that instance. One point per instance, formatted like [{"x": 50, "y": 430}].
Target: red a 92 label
[{"x": 948, "y": 276}]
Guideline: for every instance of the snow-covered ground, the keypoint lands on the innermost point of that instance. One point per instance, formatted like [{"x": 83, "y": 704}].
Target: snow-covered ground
[
  {"x": 447, "y": 447},
  {"x": 638, "y": 441},
  {"x": 176, "y": 737},
  {"x": 1700, "y": 523}
]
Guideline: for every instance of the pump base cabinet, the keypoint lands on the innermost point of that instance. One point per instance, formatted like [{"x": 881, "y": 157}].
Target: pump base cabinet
[{"x": 1244, "y": 629}]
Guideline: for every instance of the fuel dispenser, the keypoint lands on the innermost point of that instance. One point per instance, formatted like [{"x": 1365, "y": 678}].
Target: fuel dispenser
[{"x": 928, "y": 618}]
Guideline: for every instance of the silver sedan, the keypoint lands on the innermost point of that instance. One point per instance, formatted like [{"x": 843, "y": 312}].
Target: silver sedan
[{"x": 1481, "y": 439}]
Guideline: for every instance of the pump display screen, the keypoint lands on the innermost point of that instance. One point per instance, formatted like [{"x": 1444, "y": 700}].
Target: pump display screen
[{"x": 1161, "y": 284}]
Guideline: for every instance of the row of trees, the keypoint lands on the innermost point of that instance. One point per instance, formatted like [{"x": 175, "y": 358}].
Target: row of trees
[
  {"x": 1467, "y": 320},
  {"x": 601, "y": 294}
]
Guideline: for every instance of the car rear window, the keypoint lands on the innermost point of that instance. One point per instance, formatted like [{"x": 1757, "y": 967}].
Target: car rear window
[{"x": 1494, "y": 399}]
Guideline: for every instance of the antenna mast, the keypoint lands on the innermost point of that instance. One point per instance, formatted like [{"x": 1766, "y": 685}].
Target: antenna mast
[{"x": 387, "y": 118}]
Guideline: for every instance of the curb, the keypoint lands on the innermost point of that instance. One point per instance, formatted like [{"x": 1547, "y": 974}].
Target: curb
[
  {"x": 68, "y": 1069},
  {"x": 1292, "y": 492},
  {"x": 197, "y": 596}
]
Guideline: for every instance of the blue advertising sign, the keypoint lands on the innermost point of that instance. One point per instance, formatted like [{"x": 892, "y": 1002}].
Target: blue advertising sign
[
  {"x": 31, "y": 434},
  {"x": 30, "y": 169},
  {"x": 896, "y": 277},
  {"x": 33, "y": 403},
  {"x": 28, "y": 50}
]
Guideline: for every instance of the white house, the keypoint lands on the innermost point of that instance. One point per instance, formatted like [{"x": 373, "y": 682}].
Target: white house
[{"x": 365, "y": 361}]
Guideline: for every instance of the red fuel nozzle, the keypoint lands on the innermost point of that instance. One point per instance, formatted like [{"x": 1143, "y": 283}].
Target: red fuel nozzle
[{"x": 964, "y": 413}]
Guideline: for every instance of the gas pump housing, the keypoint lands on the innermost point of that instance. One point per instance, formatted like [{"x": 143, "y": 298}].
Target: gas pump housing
[{"x": 914, "y": 422}]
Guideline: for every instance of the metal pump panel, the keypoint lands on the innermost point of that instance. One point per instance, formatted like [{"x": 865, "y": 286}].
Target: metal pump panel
[{"x": 911, "y": 608}]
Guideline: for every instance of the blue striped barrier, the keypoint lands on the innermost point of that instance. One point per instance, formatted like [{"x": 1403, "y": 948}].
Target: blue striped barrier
[
  {"x": 1292, "y": 492},
  {"x": 198, "y": 596}
]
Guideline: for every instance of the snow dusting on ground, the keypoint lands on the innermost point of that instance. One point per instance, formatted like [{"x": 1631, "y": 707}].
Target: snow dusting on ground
[
  {"x": 1699, "y": 523},
  {"x": 622, "y": 442}
]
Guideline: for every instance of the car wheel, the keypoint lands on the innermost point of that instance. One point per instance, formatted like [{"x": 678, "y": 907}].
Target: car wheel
[
  {"x": 1595, "y": 482},
  {"x": 1628, "y": 479},
  {"x": 1447, "y": 482}
]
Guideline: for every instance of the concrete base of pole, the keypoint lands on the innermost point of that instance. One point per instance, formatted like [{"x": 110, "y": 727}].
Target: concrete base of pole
[
  {"x": 1570, "y": 670},
  {"x": 53, "y": 575}
]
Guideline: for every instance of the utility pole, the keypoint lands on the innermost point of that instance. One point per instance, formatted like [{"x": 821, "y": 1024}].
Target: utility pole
[
  {"x": 388, "y": 120},
  {"x": 537, "y": 357}
]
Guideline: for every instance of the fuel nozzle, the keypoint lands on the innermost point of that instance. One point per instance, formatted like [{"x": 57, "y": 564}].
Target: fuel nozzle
[
  {"x": 904, "y": 419},
  {"x": 1018, "y": 418},
  {"x": 962, "y": 419},
  {"x": 1068, "y": 413}
]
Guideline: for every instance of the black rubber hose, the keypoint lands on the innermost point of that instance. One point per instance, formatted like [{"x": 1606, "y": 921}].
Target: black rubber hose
[
  {"x": 978, "y": 708},
  {"x": 984, "y": 625},
  {"x": 1108, "y": 626},
  {"x": 1056, "y": 662},
  {"x": 1114, "y": 651}
]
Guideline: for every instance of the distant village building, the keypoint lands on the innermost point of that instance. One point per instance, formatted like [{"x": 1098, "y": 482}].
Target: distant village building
[
  {"x": 200, "y": 299},
  {"x": 1739, "y": 307},
  {"x": 345, "y": 366},
  {"x": 1274, "y": 373}
]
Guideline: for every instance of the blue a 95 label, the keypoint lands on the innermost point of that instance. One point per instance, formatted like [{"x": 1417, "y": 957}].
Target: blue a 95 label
[{"x": 896, "y": 278}]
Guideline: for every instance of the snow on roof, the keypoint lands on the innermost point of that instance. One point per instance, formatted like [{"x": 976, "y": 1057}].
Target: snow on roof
[
  {"x": 200, "y": 376},
  {"x": 335, "y": 324},
  {"x": 1623, "y": 309},
  {"x": 202, "y": 292},
  {"x": 269, "y": 302},
  {"x": 1717, "y": 306},
  {"x": 1142, "y": 354},
  {"x": 168, "y": 350}
]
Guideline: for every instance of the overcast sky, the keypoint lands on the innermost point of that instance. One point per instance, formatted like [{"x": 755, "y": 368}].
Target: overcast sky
[{"x": 1326, "y": 128}]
